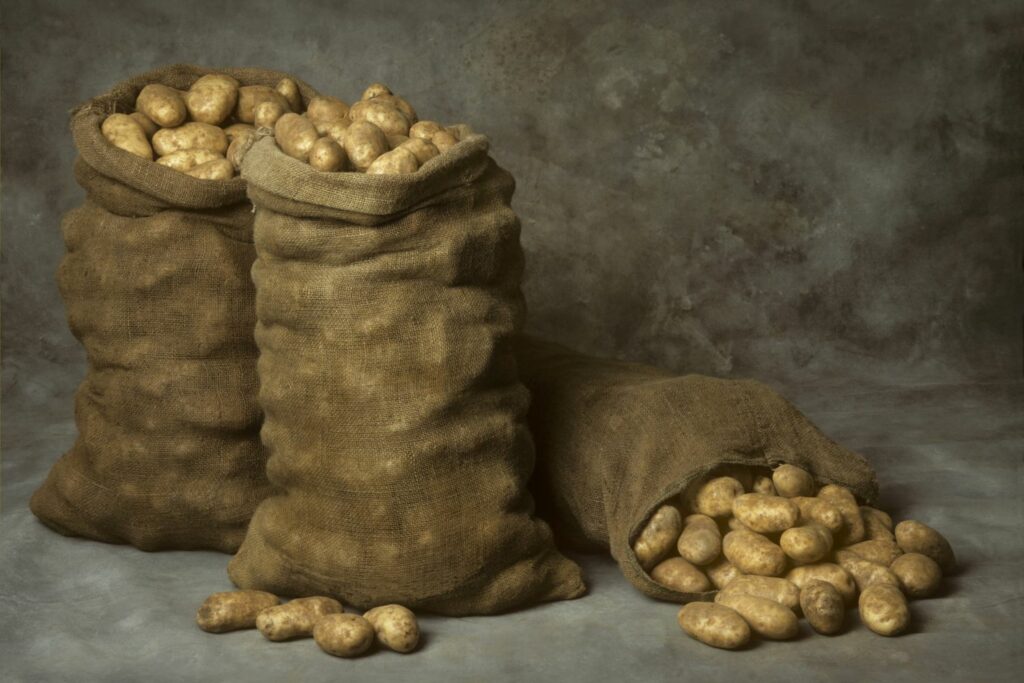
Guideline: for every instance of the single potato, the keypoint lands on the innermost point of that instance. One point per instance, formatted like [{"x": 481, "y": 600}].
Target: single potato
[
  {"x": 714, "y": 497},
  {"x": 829, "y": 573},
  {"x": 821, "y": 512},
  {"x": 375, "y": 90},
  {"x": 396, "y": 627},
  {"x": 123, "y": 132},
  {"x": 289, "y": 90},
  {"x": 395, "y": 162},
  {"x": 401, "y": 105},
  {"x": 753, "y": 553},
  {"x": 765, "y": 514},
  {"x": 216, "y": 169},
  {"x": 919, "y": 575},
  {"x": 239, "y": 145},
  {"x": 327, "y": 155},
  {"x": 844, "y": 501},
  {"x": 343, "y": 635},
  {"x": 806, "y": 544},
  {"x": 915, "y": 537},
  {"x": 251, "y": 95},
  {"x": 424, "y": 130},
  {"x": 422, "y": 150},
  {"x": 877, "y": 524},
  {"x": 267, "y": 112},
  {"x": 714, "y": 625},
  {"x": 212, "y": 98},
  {"x": 722, "y": 573},
  {"x": 385, "y": 117},
  {"x": 884, "y": 610},
  {"x": 190, "y": 136},
  {"x": 444, "y": 141},
  {"x": 295, "y": 619},
  {"x": 763, "y": 484},
  {"x": 766, "y": 618},
  {"x": 186, "y": 159},
  {"x": 680, "y": 575},
  {"x": 233, "y": 610},
  {"x": 295, "y": 135},
  {"x": 823, "y": 607},
  {"x": 323, "y": 108},
  {"x": 769, "y": 587},
  {"x": 238, "y": 129},
  {"x": 701, "y": 541},
  {"x": 364, "y": 142},
  {"x": 791, "y": 481},
  {"x": 658, "y": 536},
  {"x": 163, "y": 105}
]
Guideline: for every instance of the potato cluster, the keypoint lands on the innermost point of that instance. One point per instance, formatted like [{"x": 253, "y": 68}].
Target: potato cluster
[
  {"x": 336, "y": 632},
  {"x": 779, "y": 546}
]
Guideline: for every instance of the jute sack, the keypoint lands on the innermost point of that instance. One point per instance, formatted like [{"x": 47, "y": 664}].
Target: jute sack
[
  {"x": 157, "y": 289},
  {"x": 394, "y": 415},
  {"x": 616, "y": 440}
]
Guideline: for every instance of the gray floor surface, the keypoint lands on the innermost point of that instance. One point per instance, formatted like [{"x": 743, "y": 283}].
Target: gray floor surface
[{"x": 953, "y": 456}]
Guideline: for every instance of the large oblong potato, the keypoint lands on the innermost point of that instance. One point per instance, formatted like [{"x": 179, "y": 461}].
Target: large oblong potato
[
  {"x": 792, "y": 481},
  {"x": 385, "y": 117},
  {"x": 765, "y": 514},
  {"x": 162, "y": 104},
  {"x": 766, "y": 618},
  {"x": 401, "y": 105},
  {"x": 844, "y": 501},
  {"x": 251, "y": 95},
  {"x": 828, "y": 572},
  {"x": 323, "y": 108},
  {"x": 771, "y": 588},
  {"x": 701, "y": 541},
  {"x": 215, "y": 169},
  {"x": 394, "y": 162},
  {"x": 185, "y": 159},
  {"x": 752, "y": 553},
  {"x": 233, "y": 610},
  {"x": 396, "y": 627},
  {"x": 212, "y": 98},
  {"x": 714, "y": 625},
  {"x": 714, "y": 497},
  {"x": 820, "y": 511},
  {"x": 296, "y": 136},
  {"x": 123, "y": 132},
  {"x": 296, "y": 618},
  {"x": 916, "y": 537},
  {"x": 267, "y": 112},
  {"x": 884, "y": 610},
  {"x": 919, "y": 575},
  {"x": 190, "y": 136},
  {"x": 289, "y": 90},
  {"x": 658, "y": 536},
  {"x": 680, "y": 575},
  {"x": 364, "y": 142},
  {"x": 823, "y": 607},
  {"x": 806, "y": 544},
  {"x": 343, "y": 635}
]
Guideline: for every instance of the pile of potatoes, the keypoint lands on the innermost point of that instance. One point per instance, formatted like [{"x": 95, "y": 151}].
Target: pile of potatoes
[
  {"x": 337, "y": 633},
  {"x": 204, "y": 130},
  {"x": 779, "y": 546}
]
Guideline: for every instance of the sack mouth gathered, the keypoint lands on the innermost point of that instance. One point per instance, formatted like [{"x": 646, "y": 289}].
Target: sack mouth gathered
[{"x": 176, "y": 189}]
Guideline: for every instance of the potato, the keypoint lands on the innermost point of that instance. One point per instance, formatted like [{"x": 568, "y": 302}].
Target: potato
[
  {"x": 753, "y": 553},
  {"x": 147, "y": 124},
  {"x": 884, "y": 610},
  {"x": 163, "y": 105},
  {"x": 844, "y": 501},
  {"x": 865, "y": 573},
  {"x": 879, "y": 552},
  {"x": 212, "y": 98},
  {"x": 714, "y": 497},
  {"x": 296, "y": 618},
  {"x": 820, "y": 511},
  {"x": 401, "y": 105},
  {"x": 915, "y": 537},
  {"x": 722, "y": 573},
  {"x": 395, "y": 141},
  {"x": 375, "y": 90},
  {"x": 190, "y": 136},
  {"x": 236, "y": 130},
  {"x": 791, "y": 481},
  {"x": 919, "y": 575},
  {"x": 444, "y": 141},
  {"x": 701, "y": 541},
  {"x": 123, "y": 132},
  {"x": 327, "y": 155},
  {"x": 422, "y": 150},
  {"x": 765, "y": 514},
  {"x": 424, "y": 130},
  {"x": 267, "y": 112},
  {"x": 251, "y": 95},
  {"x": 828, "y": 572},
  {"x": 763, "y": 484},
  {"x": 335, "y": 129},
  {"x": 877, "y": 524},
  {"x": 823, "y": 607},
  {"x": 680, "y": 575},
  {"x": 364, "y": 142},
  {"x": 806, "y": 544},
  {"x": 289, "y": 90},
  {"x": 769, "y": 587},
  {"x": 233, "y": 610},
  {"x": 216, "y": 169},
  {"x": 658, "y": 536},
  {"x": 296, "y": 136},
  {"x": 766, "y": 618},
  {"x": 186, "y": 159},
  {"x": 456, "y": 132},
  {"x": 239, "y": 145},
  {"x": 382, "y": 115},
  {"x": 396, "y": 627},
  {"x": 323, "y": 108},
  {"x": 714, "y": 625},
  {"x": 395, "y": 162},
  {"x": 343, "y": 635},
  {"x": 734, "y": 524}
]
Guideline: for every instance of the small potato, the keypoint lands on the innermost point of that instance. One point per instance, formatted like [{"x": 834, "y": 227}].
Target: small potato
[
  {"x": 879, "y": 552},
  {"x": 701, "y": 541},
  {"x": 343, "y": 635},
  {"x": 767, "y": 618},
  {"x": 865, "y": 573},
  {"x": 714, "y": 497},
  {"x": 658, "y": 536},
  {"x": 324, "y": 108},
  {"x": 396, "y": 627},
  {"x": 289, "y": 90},
  {"x": 877, "y": 524},
  {"x": 915, "y": 537},
  {"x": 722, "y": 573},
  {"x": 424, "y": 130},
  {"x": 212, "y": 98},
  {"x": 764, "y": 485},
  {"x": 296, "y": 136},
  {"x": 335, "y": 129},
  {"x": 236, "y": 130},
  {"x": 395, "y": 162},
  {"x": 190, "y": 136},
  {"x": 820, "y": 511},
  {"x": 233, "y": 610},
  {"x": 422, "y": 150},
  {"x": 791, "y": 481},
  {"x": 884, "y": 610},
  {"x": 444, "y": 141},
  {"x": 823, "y": 607},
  {"x": 327, "y": 155},
  {"x": 919, "y": 575},
  {"x": 163, "y": 105},
  {"x": 714, "y": 625},
  {"x": 806, "y": 544},
  {"x": 239, "y": 145},
  {"x": 147, "y": 124},
  {"x": 765, "y": 514},
  {"x": 364, "y": 142},
  {"x": 678, "y": 574},
  {"x": 844, "y": 501},
  {"x": 217, "y": 169},
  {"x": 296, "y": 618},
  {"x": 267, "y": 112},
  {"x": 382, "y": 115},
  {"x": 828, "y": 572},
  {"x": 769, "y": 587},
  {"x": 251, "y": 95},
  {"x": 123, "y": 132},
  {"x": 395, "y": 141},
  {"x": 375, "y": 90},
  {"x": 186, "y": 159},
  {"x": 753, "y": 553}
]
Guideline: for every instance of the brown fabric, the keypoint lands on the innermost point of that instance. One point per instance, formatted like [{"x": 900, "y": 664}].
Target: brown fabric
[
  {"x": 395, "y": 418},
  {"x": 157, "y": 289},
  {"x": 616, "y": 440}
]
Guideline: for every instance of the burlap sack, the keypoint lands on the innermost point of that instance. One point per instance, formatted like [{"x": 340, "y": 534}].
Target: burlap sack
[
  {"x": 395, "y": 418},
  {"x": 616, "y": 440},
  {"x": 157, "y": 289}
]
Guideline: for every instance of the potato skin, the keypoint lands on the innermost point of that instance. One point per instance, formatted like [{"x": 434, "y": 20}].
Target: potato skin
[
  {"x": 124, "y": 132},
  {"x": 396, "y": 627},
  {"x": 846, "y": 503},
  {"x": 877, "y": 524},
  {"x": 364, "y": 142},
  {"x": 722, "y": 573},
  {"x": 233, "y": 610},
  {"x": 251, "y": 95},
  {"x": 240, "y": 143},
  {"x": 336, "y": 129},
  {"x": 765, "y": 514},
  {"x": 382, "y": 115},
  {"x": 289, "y": 90},
  {"x": 296, "y": 618},
  {"x": 375, "y": 90},
  {"x": 806, "y": 544},
  {"x": 401, "y": 105},
  {"x": 766, "y": 618},
  {"x": 877, "y": 551},
  {"x": 763, "y": 484},
  {"x": 865, "y": 573},
  {"x": 186, "y": 159},
  {"x": 423, "y": 151},
  {"x": 714, "y": 497},
  {"x": 395, "y": 162},
  {"x": 658, "y": 536},
  {"x": 714, "y": 625},
  {"x": 820, "y": 511},
  {"x": 343, "y": 635},
  {"x": 792, "y": 481},
  {"x": 163, "y": 105},
  {"x": 238, "y": 129},
  {"x": 424, "y": 130},
  {"x": 752, "y": 553},
  {"x": 190, "y": 136},
  {"x": 828, "y": 572},
  {"x": 884, "y": 610},
  {"x": 919, "y": 575},
  {"x": 323, "y": 108},
  {"x": 444, "y": 141},
  {"x": 680, "y": 575},
  {"x": 147, "y": 124},
  {"x": 212, "y": 98},
  {"x": 701, "y": 541},
  {"x": 216, "y": 169},
  {"x": 771, "y": 588},
  {"x": 267, "y": 112},
  {"x": 916, "y": 537},
  {"x": 327, "y": 155},
  {"x": 296, "y": 136},
  {"x": 823, "y": 607}
]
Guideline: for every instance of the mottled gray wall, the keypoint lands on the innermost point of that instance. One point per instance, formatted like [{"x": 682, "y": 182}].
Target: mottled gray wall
[{"x": 801, "y": 191}]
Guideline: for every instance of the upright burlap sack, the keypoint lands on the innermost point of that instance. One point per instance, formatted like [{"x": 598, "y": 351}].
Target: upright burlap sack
[
  {"x": 395, "y": 418},
  {"x": 616, "y": 440},
  {"x": 157, "y": 289}
]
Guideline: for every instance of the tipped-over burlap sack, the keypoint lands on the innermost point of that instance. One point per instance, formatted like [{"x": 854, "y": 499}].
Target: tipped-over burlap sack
[
  {"x": 394, "y": 416},
  {"x": 157, "y": 289},
  {"x": 616, "y": 440}
]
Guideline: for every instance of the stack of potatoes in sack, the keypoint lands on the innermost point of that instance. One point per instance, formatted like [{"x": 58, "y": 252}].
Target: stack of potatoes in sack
[{"x": 778, "y": 545}]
